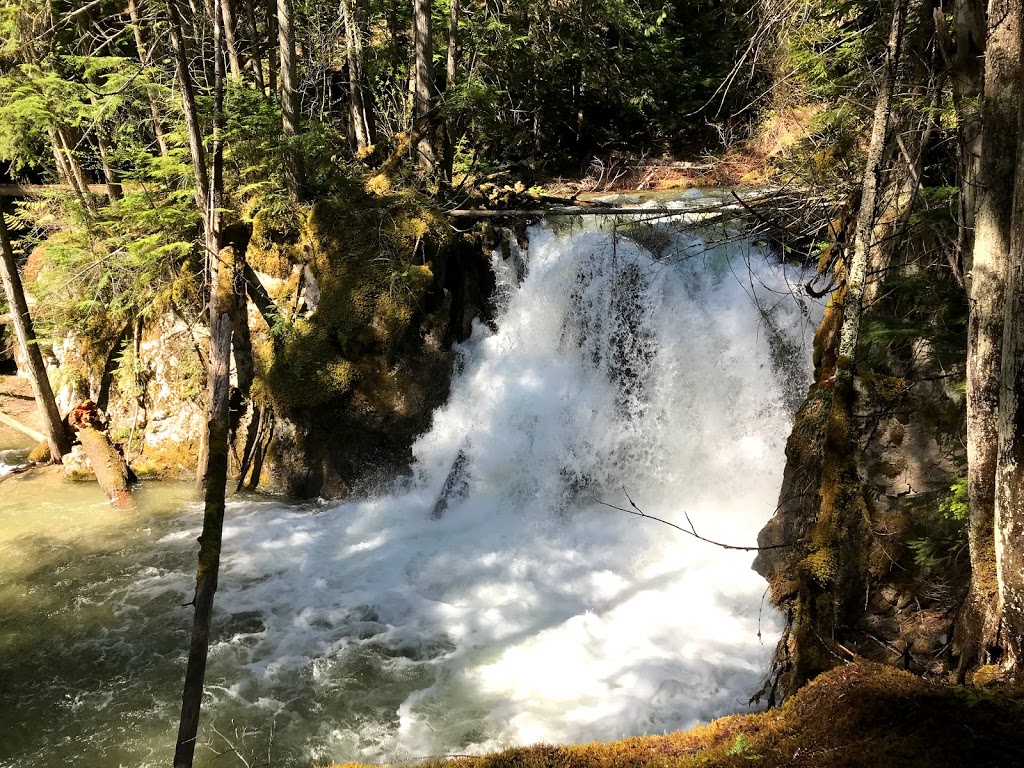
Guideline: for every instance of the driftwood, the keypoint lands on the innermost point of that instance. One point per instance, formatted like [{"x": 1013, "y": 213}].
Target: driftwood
[
  {"x": 39, "y": 437},
  {"x": 579, "y": 210},
  {"x": 111, "y": 469},
  {"x": 779, "y": 200},
  {"x": 454, "y": 485}
]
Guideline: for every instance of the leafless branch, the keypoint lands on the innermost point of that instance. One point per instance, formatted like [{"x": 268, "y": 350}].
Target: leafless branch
[{"x": 691, "y": 531}]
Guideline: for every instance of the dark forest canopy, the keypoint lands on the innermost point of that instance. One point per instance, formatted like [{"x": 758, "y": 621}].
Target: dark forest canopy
[{"x": 542, "y": 83}]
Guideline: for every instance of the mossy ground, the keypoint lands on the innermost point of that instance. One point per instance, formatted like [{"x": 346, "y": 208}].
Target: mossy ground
[{"x": 860, "y": 715}]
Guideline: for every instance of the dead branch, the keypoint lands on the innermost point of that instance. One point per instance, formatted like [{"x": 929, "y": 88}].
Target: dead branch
[{"x": 691, "y": 531}]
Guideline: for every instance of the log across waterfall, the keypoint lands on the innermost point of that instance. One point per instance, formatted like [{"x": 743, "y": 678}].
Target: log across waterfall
[{"x": 519, "y": 609}]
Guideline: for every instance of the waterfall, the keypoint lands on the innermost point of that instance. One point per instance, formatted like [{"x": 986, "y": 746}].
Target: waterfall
[{"x": 495, "y": 598}]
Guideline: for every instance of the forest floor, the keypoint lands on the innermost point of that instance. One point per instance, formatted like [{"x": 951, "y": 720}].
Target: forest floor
[{"x": 860, "y": 715}]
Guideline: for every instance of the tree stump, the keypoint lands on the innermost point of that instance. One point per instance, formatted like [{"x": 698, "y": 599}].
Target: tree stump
[{"x": 107, "y": 462}]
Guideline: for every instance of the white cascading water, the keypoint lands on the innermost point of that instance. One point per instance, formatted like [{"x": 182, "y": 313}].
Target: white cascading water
[{"x": 528, "y": 610}]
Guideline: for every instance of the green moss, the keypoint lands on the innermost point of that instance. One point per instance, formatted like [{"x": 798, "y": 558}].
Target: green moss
[
  {"x": 275, "y": 243},
  {"x": 170, "y": 460},
  {"x": 372, "y": 263}
]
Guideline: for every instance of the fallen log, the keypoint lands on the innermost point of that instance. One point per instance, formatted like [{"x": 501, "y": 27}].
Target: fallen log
[
  {"x": 454, "y": 485},
  {"x": 579, "y": 210},
  {"x": 111, "y": 469},
  {"x": 10, "y": 421}
]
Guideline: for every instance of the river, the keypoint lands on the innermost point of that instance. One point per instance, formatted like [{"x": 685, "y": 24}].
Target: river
[{"x": 665, "y": 373}]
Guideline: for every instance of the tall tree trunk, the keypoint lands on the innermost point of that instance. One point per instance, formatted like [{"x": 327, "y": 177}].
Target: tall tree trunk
[
  {"x": 293, "y": 176},
  {"x": 979, "y": 621},
  {"x": 154, "y": 107},
  {"x": 188, "y": 103},
  {"x": 968, "y": 85},
  {"x": 360, "y": 104},
  {"x": 230, "y": 25},
  {"x": 423, "y": 82},
  {"x": 867, "y": 216},
  {"x": 1009, "y": 503},
  {"x": 450, "y": 80},
  {"x": 838, "y": 535},
  {"x": 56, "y": 437},
  {"x": 110, "y": 174},
  {"x": 64, "y": 171},
  {"x": 272, "y": 59},
  {"x": 255, "y": 49},
  {"x": 222, "y": 309}
]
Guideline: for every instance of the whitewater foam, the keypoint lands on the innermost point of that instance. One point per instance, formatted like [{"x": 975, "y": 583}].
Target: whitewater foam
[{"x": 530, "y": 611}]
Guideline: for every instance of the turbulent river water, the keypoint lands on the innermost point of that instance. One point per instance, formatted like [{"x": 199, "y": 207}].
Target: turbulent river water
[{"x": 651, "y": 361}]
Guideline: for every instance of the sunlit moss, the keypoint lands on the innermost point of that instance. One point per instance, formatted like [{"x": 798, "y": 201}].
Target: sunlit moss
[{"x": 372, "y": 261}]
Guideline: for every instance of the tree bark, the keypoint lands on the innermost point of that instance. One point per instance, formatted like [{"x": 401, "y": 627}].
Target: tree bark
[
  {"x": 293, "y": 176},
  {"x": 979, "y": 621},
  {"x": 272, "y": 34},
  {"x": 361, "y": 117},
  {"x": 450, "y": 80},
  {"x": 22, "y": 321},
  {"x": 106, "y": 460},
  {"x": 423, "y": 82},
  {"x": 228, "y": 17},
  {"x": 74, "y": 169},
  {"x": 867, "y": 216},
  {"x": 188, "y": 103},
  {"x": 214, "y": 470},
  {"x": 1009, "y": 499},
  {"x": 64, "y": 171},
  {"x": 154, "y": 107},
  {"x": 968, "y": 86},
  {"x": 110, "y": 174},
  {"x": 255, "y": 49}
]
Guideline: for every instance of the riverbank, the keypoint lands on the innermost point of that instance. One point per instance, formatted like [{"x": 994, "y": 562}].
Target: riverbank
[{"x": 858, "y": 715}]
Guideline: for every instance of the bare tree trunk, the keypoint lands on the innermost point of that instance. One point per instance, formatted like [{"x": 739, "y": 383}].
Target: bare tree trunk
[
  {"x": 64, "y": 171},
  {"x": 867, "y": 216},
  {"x": 107, "y": 463},
  {"x": 215, "y": 472},
  {"x": 423, "y": 82},
  {"x": 293, "y": 176},
  {"x": 188, "y": 103},
  {"x": 979, "y": 621},
  {"x": 838, "y": 535},
  {"x": 450, "y": 80},
  {"x": 968, "y": 86},
  {"x": 360, "y": 102},
  {"x": 1009, "y": 500},
  {"x": 255, "y": 49},
  {"x": 110, "y": 174},
  {"x": 230, "y": 25},
  {"x": 272, "y": 35},
  {"x": 56, "y": 437},
  {"x": 154, "y": 107}
]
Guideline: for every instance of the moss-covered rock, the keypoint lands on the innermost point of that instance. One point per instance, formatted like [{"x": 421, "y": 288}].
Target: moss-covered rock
[{"x": 362, "y": 358}]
